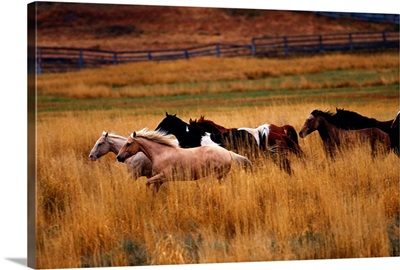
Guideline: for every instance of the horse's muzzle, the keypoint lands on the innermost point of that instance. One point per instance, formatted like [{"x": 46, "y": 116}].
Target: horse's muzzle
[
  {"x": 92, "y": 157},
  {"x": 120, "y": 158}
]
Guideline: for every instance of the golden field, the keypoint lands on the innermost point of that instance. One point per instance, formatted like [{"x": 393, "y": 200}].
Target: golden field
[{"x": 93, "y": 214}]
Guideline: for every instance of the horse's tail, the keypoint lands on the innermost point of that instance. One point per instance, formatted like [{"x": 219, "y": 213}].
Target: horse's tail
[
  {"x": 293, "y": 146},
  {"x": 241, "y": 161},
  {"x": 291, "y": 132}
]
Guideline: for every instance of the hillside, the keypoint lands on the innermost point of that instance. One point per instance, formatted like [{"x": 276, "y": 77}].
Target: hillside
[{"x": 130, "y": 27}]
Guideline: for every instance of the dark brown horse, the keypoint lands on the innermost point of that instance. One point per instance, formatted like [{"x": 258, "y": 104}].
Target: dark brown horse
[
  {"x": 334, "y": 138},
  {"x": 349, "y": 120}
]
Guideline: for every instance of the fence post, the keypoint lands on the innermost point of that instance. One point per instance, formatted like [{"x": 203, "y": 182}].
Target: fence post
[
  {"x": 80, "y": 61},
  {"x": 149, "y": 55},
  {"x": 285, "y": 44},
  {"x": 384, "y": 39},
  {"x": 186, "y": 54},
  {"x": 253, "y": 47},
  {"x": 39, "y": 61},
  {"x": 217, "y": 49},
  {"x": 115, "y": 58},
  {"x": 321, "y": 46},
  {"x": 350, "y": 42}
]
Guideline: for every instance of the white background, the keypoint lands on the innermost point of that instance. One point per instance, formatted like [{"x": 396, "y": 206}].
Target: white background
[{"x": 13, "y": 139}]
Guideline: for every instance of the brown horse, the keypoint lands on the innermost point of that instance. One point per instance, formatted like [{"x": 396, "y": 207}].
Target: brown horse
[
  {"x": 171, "y": 162},
  {"x": 334, "y": 138},
  {"x": 268, "y": 137},
  {"x": 212, "y": 127}
]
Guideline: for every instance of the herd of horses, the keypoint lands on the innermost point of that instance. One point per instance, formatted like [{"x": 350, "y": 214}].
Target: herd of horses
[{"x": 177, "y": 150}]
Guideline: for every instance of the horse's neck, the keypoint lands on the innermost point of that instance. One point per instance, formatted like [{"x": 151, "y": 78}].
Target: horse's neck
[
  {"x": 385, "y": 125},
  {"x": 189, "y": 137},
  {"x": 116, "y": 143},
  {"x": 327, "y": 131},
  {"x": 211, "y": 128},
  {"x": 151, "y": 149},
  {"x": 358, "y": 122}
]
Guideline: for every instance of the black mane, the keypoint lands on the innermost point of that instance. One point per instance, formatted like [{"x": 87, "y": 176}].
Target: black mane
[
  {"x": 352, "y": 120},
  {"x": 187, "y": 135},
  {"x": 328, "y": 115}
]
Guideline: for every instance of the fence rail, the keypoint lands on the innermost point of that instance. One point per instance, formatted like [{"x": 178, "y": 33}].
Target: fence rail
[
  {"x": 56, "y": 59},
  {"x": 371, "y": 17}
]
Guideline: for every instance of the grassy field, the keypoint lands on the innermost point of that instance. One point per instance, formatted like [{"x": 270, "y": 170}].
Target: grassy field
[{"x": 93, "y": 214}]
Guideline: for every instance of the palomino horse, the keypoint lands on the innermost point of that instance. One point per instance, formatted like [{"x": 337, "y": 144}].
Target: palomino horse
[
  {"x": 345, "y": 119},
  {"x": 171, "y": 162},
  {"x": 137, "y": 165},
  {"x": 334, "y": 137}
]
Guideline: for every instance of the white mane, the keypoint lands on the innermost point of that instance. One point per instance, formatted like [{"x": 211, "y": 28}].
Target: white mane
[{"x": 156, "y": 136}]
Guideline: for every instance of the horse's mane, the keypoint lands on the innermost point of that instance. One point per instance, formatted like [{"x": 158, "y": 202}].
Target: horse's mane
[
  {"x": 325, "y": 114},
  {"x": 113, "y": 135},
  {"x": 345, "y": 114},
  {"x": 156, "y": 136}
]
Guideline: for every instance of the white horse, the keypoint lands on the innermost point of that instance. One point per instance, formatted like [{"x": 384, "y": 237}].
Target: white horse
[{"x": 137, "y": 165}]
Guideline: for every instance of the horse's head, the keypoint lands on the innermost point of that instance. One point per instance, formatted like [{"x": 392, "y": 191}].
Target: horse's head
[
  {"x": 101, "y": 147},
  {"x": 310, "y": 125},
  {"x": 206, "y": 125},
  {"x": 129, "y": 148},
  {"x": 171, "y": 124}
]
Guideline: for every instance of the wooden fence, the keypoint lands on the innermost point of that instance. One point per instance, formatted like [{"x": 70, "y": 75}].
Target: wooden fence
[
  {"x": 56, "y": 59},
  {"x": 370, "y": 17}
]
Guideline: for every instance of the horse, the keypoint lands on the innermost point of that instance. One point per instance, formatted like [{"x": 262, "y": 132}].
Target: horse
[
  {"x": 334, "y": 137},
  {"x": 191, "y": 136},
  {"x": 212, "y": 127},
  {"x": 267, "y": 136},
  {"x": 170, "y": 162},
  {"x": 137, "y": 165},
  {"x": 209, "y": 126},
  {"x": 349, "y": 120},
  {"x": 240, "y": 141}
]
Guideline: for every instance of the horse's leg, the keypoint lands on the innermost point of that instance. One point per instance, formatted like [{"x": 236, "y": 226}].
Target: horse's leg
[
  {"x": 281, "y": 160},
  {"x": 284, "y": 164},
  {"x": 157, "y": 180},
  {"x": 222, "y": 173}
]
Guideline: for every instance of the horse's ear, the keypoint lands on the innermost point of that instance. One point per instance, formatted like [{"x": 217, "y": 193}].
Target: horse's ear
[
  {"x": 105, "y": 134},
  {"x": 166, "y": 113},
  {"x": 133, "y": 135},
  {"x": 174, "y": 115}
]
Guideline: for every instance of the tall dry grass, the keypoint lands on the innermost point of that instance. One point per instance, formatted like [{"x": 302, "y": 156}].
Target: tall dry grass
[{"x": 92, "y": 214}]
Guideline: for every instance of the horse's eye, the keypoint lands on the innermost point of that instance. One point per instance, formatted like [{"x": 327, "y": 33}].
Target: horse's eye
[
  {"x": 100, "y": 144},
  {"x": 128, "y": 144}
]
